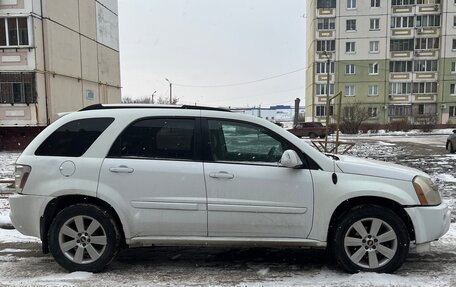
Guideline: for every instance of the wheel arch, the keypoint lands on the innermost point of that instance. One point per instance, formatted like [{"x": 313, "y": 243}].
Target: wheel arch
[
  {"x": 60, "y": 203},
  {"x": 351, "y": 203}
]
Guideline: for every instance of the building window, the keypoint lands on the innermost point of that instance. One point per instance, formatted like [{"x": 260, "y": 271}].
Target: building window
[
  {"x": 351, "y": 4},
  {"x": 321, "y": 67},
  {"x": 426, "y": 43},
  {"x": 453, "y": 67},
  {"x": 375, "y": 3},
  {"x": 320, "y": 110},
  {"x": 326, "y": 23},
  {"x": 350, "y": 69},
  {"x": 321, "y": 89},
  {"x": 402, "y": 22},
  {"x": 14, "y": 32},
  {"x": 350, "y": 91},
  {"x": 454, "y": 45},
  {"x": 399, "y": 110},
  {"x": 452, "y": 111},
  {"x": 374, "y": 24},
  {"x": 454, "y": 21},
  {"x": 372, "y": 112},
  {"x": 400, "y": 88},
  {"x": 425, "y": 109},
  {"x": 373, "y": 46},
  {"x": 326, "y": 45},
  {"x": 402, "y": 2},
  {"x": 401, "y": 66},
  {"x": 350, "y": 47},
  {"x": 425, "y": 88},
  {"x": 351, "y": 25},
  {"x": 348, "y": 113},
  {"x": 402, "y": 45},
  {"x": 373, "y": 91},
  {"x": 425, "y": 65},
  {"x": 427, "y": 21},
  {"x": 17, "y": 88},
  {"x": 453, "y": 89},
  {"x": 326, "y": 4},
  {"x": 373, "y": 69}
]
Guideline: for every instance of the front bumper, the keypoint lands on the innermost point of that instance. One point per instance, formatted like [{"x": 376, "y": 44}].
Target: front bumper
[
  {"x": 26, "y": 211},
  {"x": 430, "y": 222}
]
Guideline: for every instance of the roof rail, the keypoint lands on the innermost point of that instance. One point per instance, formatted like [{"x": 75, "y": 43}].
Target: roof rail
[{"x": 148, "y": 106}]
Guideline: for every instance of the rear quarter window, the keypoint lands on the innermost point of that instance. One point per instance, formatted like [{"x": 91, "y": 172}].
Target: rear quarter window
[{"x": 74, "y": 138}]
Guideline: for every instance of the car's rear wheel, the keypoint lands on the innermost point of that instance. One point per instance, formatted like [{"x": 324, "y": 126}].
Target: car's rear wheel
[
  {"x": 83, "y": 237},
  {"x": 312, "y": 135},
  {"x": 370, "y": 238}
]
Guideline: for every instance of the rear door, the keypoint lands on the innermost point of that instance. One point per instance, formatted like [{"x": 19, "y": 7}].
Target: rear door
[
  {"x": 249, "y": 194},
  {"x": 154, "y": 173}
]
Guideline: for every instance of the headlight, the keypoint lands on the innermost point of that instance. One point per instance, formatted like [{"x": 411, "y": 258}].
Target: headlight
[{"x": 426, "y": 191}]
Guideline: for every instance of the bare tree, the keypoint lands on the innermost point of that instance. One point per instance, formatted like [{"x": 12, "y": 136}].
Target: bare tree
[
  {"x": 354, "y": 114},
  {"x": 148, "y": 100}
]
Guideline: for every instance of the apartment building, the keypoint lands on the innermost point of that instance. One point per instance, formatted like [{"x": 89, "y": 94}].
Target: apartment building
[
  {"x": 394, "y": 58},
  {"x": 55, "y": 56}
]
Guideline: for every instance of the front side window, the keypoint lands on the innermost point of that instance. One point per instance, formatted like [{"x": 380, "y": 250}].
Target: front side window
[
  {"x": 244, "y": 142},
  {"x": 14, "y": 32},
  {"x": 157, "y": 138},
  {"x": 73, "y": 139}
]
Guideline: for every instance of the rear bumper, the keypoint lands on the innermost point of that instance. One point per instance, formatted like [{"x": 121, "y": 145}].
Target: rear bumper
[
  {"x": 430, "y": 222},
  {"x": 26, "y": 211}
]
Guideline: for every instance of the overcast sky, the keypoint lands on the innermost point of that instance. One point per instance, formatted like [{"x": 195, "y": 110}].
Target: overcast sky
[{"x": 214, "y": 43}]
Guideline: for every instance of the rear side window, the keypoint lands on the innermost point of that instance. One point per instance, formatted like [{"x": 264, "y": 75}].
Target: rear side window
[
  {"x": 157, "y": 139},
  {"x": 73, "y": 139}
]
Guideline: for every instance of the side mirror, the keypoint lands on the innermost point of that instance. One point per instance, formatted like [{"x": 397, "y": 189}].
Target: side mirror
[
  {"x": 454, "y": 131},
  {"x": 290, "y": 159}
]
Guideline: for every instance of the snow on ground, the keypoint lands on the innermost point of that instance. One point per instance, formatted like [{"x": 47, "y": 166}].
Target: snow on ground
[{"x": 23, "y": 264}]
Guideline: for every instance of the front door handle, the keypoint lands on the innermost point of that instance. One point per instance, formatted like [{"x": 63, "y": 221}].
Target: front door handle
[
  {"x": 221, "y": 174},
  {"x": 121, "y": 169}
]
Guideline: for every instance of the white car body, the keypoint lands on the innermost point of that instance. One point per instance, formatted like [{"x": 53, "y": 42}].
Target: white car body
[{"x": 175, "y": 202}]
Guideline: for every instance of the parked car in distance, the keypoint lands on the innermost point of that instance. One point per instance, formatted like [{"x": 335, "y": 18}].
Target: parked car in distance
[
  {"x": 310, "y": 129},
  {"x": 118, "y": 176},
  {"x": 451, "y": 142}
]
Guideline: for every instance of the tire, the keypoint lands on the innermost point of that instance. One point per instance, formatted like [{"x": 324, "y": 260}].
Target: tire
[
  {"x": 322, "y": 136},
  {"x": 312, "y": 135},
  {"x": 72, "y": 237},
  {"x": 370, "y": 238}
]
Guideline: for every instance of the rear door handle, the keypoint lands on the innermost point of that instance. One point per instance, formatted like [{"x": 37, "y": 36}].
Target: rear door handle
[
  {"x": 121, "y": 169},
  {"x": 221, "y": 174}
]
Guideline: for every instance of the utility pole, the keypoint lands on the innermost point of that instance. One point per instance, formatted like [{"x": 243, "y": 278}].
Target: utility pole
[{"x": 170, "y": 91}]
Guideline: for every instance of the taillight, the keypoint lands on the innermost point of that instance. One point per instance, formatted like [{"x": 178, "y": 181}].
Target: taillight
[{"x": 21, "y": 174}]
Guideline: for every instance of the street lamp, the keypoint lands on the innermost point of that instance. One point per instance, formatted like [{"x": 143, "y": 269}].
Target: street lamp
[
  {"x": 153, "y": 94},
  {"x": 170, "y": 91}
]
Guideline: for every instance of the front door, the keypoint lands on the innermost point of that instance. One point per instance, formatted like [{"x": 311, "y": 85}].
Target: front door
[{"x": 249, "y": 194}]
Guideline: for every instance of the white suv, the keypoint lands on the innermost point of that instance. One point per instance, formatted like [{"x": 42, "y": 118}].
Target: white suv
[{"x": 116, "y": 176}]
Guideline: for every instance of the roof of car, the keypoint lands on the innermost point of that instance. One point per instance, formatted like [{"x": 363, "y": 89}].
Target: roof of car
[{"x": 149, "y": 106}]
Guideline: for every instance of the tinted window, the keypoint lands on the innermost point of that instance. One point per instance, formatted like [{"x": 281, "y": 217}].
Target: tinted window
[
  {"x": 73, "y": 139},
  {"x": 157, "y": 138},
  {"x": 240, "y": 142}
]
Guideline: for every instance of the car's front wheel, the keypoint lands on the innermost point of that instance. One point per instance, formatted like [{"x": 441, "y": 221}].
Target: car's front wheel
[
  {"x": 83, "y": 237},
  {"x": 370, "y": 238}
]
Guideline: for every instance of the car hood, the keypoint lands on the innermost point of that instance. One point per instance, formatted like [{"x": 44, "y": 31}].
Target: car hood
[{"x": 361, "y": 166}]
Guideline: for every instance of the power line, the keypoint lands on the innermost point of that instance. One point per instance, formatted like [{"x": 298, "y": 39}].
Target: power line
[{"x": 240, "y": 83}]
